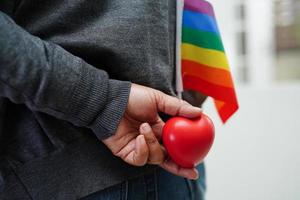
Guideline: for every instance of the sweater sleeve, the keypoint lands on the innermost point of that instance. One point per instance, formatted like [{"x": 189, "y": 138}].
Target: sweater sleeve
[{"x": 47, "y": 78}]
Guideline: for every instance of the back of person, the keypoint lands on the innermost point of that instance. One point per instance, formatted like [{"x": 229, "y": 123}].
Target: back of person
[{"x": 50, "y": 150}]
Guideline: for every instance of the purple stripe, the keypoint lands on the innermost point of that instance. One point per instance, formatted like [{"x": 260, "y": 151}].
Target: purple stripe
[{"x": 199, "y": 6}]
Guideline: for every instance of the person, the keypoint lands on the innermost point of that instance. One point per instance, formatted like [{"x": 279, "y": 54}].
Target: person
[{"x": 85, "y": 87}]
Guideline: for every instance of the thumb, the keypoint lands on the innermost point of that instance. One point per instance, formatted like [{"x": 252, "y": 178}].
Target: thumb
[{"x": 174, "y": 106}]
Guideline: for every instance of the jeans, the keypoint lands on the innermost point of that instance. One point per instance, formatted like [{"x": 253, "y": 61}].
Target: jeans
[{"x": 159, "y": 185}]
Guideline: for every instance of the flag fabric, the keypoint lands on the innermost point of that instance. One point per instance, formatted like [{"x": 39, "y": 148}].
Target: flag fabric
[{"x": 204, "y": 65}]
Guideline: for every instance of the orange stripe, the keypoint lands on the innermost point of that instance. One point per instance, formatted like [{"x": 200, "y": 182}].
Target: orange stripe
[{"x": 213, "y": 75}]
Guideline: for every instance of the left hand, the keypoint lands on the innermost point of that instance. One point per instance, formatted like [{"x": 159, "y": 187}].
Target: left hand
[{"x": 136, "y": 140}]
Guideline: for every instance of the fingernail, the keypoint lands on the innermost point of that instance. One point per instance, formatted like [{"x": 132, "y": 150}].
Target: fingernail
[
  {"x": 196, "y": 175},
  {"x": 146, "y": 127}
]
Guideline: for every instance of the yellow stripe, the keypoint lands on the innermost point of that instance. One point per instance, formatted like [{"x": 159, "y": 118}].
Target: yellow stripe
[{"x": 209, "y": 57}]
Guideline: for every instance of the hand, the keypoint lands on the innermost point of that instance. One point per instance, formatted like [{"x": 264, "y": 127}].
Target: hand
[{"x": 136, "y": 140}]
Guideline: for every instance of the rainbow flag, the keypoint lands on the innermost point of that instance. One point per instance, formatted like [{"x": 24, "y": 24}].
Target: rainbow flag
[{"x": 204, "y": 65}]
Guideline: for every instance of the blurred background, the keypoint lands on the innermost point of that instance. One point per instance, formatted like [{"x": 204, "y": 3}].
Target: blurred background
[{"x": 256, "y": 153}]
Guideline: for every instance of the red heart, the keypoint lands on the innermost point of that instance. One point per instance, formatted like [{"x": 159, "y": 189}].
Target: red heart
[{"x": 188, "y": 141}]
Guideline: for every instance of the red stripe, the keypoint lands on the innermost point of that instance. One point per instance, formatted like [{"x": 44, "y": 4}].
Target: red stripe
[
  {"x": 225, "y": 110},
  {"x": 224, "y": 97},
  {"x": 226, "y": 94},
  {"x": 214, "y": 75}
]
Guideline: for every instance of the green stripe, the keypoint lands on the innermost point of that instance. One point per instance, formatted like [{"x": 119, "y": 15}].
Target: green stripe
[{"x": 202, "y": 39}]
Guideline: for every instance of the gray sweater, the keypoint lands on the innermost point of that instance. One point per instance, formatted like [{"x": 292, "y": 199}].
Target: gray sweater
[{"x": 65, "y": 74}]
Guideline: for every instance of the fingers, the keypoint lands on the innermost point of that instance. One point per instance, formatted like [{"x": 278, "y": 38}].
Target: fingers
[
  {"x": 174, "y": 106},
  {"x": 173, "y": 168},
  {"x": 143, "y": 149},
  {"x": 136, "y": 152},
  {"x": 140, "y": 155},
  {"x": 157, "y": 128},
  {"x": 156, "y": 153}
]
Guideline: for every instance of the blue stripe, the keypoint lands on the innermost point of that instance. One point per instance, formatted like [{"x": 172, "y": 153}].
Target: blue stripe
[{"x": 199, "y": 21}]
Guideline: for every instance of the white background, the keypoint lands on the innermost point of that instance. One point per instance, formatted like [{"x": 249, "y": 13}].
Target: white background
[{"x": 256, "y": 154}]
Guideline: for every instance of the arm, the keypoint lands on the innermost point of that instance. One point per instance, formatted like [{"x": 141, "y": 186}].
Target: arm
[
  {"x": 46, "y": 78},
  {"x": 49, "y": 79}
]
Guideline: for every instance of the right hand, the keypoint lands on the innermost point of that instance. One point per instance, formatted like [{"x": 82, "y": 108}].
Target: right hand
[{"x": 136, "y": 140}]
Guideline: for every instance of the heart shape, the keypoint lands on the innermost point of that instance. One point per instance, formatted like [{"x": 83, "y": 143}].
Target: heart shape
[{"x": 188, "y": 141}]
